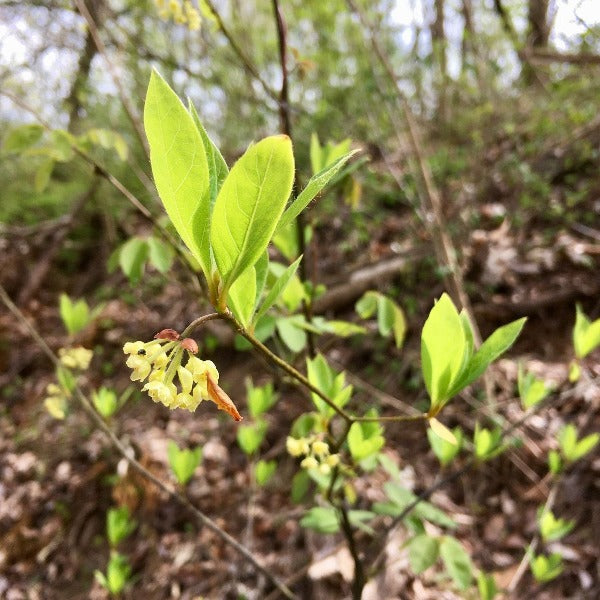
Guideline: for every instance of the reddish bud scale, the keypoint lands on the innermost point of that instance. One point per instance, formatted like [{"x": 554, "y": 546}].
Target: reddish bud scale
[
  {"x": 190, "y": 345},
  {"x": 167, "y": 334}
]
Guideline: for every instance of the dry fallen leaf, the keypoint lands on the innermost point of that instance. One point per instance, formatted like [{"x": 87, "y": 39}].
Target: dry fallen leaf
[{"x": 221, "y": 399}]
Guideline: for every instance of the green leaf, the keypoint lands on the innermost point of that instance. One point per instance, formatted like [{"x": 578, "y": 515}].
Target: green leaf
[
  {"x": 498, "y": 343},
  {"x": 572, "y": 448},
  {"x": 249, "y": 206},
  {"x": 333, "y": 385},
  {"x": 300, "y": 485},
  {"x": 119, "y": 525},
  {"x": 367, "y": 304},
  {"x": 217, "y": 167},
  {"x": 293, "y": 336},
  {"x": 43, "y": 174},
  {"x": 260, "y": 399},
  {"x": 457, "y": 562},
  {"x": 22, "y": 137},
  {"x": 321, "y": 519},
  {"x": 314, "y": 186},
  {"x": 361, "y": 444},
  {"x": 486, "y": 586},
  {"x": 444, "y": 450},
  {"x": 132, "y": 258},
  {"x": 546, "y": 568},
  {"x": 250, "y": 437},
  {"x": 390, "y": 319},
  {"x": 316, "y": 154},
  {"x": 586, "y": 335},
  {"x": 264, "y": 470},
  {"x": 160, "y": 254},
  {"x": 358, "y": 518},
  {"x": 279, "y": 286},
  {"x": 443, "y": 349},
  {"x": 531, "y": 389},
  {"x": 180, "y": 167},
  {"x": 242, "y": 296},
  {"x": 554, "y": 462},
  {"x": 183, "y": 461},
  {"x": 423, "y": 551},
  {"x": 105, "y": 401},
  {"x": 552, "y": 528},
  {"x": 75, "y": 315}
]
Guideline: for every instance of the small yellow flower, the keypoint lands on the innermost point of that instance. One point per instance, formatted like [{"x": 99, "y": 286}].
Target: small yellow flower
[
  {"x": 324, "y": 469},
  {"x": 75, "y": 358},
  {"x": 140, "y": 365},
  {"x": 320, "y": 448},
  {"x": 310, "y": 462},
  {"x": 57, "y": 407},
  {"x": 333, "y": 460},
  {"x": 186, "y": 379},
  {"x": 294, "y": 446}
]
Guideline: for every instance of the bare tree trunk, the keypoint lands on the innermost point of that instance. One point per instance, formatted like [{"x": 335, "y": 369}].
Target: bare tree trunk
[
  {"x": 538, "y": 32},
  {"x": 73, "y": 100},
  {"x": 438, "y": 39}
]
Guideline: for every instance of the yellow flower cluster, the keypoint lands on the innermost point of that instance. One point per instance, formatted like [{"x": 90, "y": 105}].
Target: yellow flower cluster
[
  {"x": 159, "y": 361},
  {"x": 75, "y": 358},
  {"x": 315, "y": 451},
  {"x": 56, "y": 402},
  {"x": 182, "y": 14}
]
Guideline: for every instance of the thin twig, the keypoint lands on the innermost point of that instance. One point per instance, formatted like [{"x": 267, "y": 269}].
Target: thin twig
[{"x": 127, "y": 454}]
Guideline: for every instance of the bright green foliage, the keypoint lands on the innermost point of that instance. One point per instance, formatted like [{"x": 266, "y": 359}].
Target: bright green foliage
[
  {"x": 546, "y": 568},
  {"x": 132, "y": 258},
  {"x": 449, "y": 363},
  {"x": 554, "y": 462},
  {"x": 291, "y": 332},
  {"x": 390, "y": 317},
  {"x": 486, "y": 585},
  {"x": 531, "y": 389},
  {"x": 217, "y": 167},
  {"x": 423, "y": 551},
  {"x": 160, "y": 254},
  {"x": 552, "y": 528},
  {"x": 444, "y": 449},
  {"x": 183, "y": 461},
  {"x": 118, "y": 572},
  {"x": 400, "y": 497},
  {"x": 322, "y": 519},
  {"x": 264, "y": 471},
  {"x": 572, "y": 448},
  {"x": 457, "y": 562},
  {"x": 249, "y": 206},
  {"x": 76, "y": 316},
  {"x": 300, "y": 485},
  {"x": 586, "y": 335},
  {"x": 260, "y": 399},
  {"x": 107, "y": 139},
  {"x": 281, "y": 283},
  {"x": 316, "y": 183},
  {"x": 119, "y": 525},
  {"x": 358, "y": 518},
  {"x": 332, "y": 384},
  {"x": 251, "y": 436},
  {"x": 179, "y": 166},
  {"x": 324, "y": 156},
  {"x": 22, "y": 137},
  {"x": 486, "y": 442},
  {"x": 365, "y": 439},
  {"x": 106, "y": 402}
]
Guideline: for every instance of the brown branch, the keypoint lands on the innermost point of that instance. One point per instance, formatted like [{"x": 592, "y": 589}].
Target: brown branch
[{"x": 543, "y": 55}]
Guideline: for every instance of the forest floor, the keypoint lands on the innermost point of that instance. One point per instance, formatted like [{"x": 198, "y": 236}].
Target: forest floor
[{"x": 58, "y": 478}]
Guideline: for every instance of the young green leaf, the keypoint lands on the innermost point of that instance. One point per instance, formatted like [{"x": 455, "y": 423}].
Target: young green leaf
[
  {"x": 242, "y": 296},
  {"x": 361, "y": 444},
  {"x": 119, "y": 525},
  {"x": 264, "y": 470},
  {"x": 249, "y": 206},
  {"x": 546, "y": 568},
  {"x": 183, "y": 461},
  {"x": 531, "y": 389},
  {"x": 250, "y": 437},
  {"x": 260, "y": 399},
  {"x": 457, "y": 562},
  {"x": 280, "y": 285},
  {"x": 132, "y": 258},
  {"x": 552, "y": 528},
  {"x": 180, "y": 167},
  {"x": 160, "y": 254},
  {"x": 586, "y": 335},
  {"x": 314, "y": 186},
  {"x": 498, "y": 343},
  {"x": 105, "y": 401},
  {"x": 443, "y": 449},
  {"x": 118, "y": 572},
  {"x": 443, "y": 347},
  {"x": 292, "y": 335},
  {"x": 423, "y": 551},
  {"x": 486, "y": 585},
  {"x": 75, "y": 315},
  {"x": 300, "y": 485},
  {"x": 322, "y": 519},
  {"x": 22, "y": 137}
]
